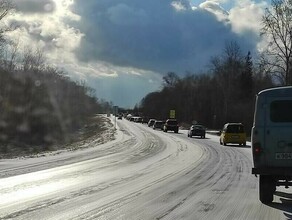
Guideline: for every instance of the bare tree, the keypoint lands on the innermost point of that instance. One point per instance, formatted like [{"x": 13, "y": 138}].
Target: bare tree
[
  {"x": 277, "y": 26},
  {"x": 170, "y": 79},
  {"x": 232, "y": 52},
  {"x": 227, "y": 69},
  {"x": 33, "y": 60},
  {"x": 10, "y": 56},
  {"x": 6, "y": 7}
]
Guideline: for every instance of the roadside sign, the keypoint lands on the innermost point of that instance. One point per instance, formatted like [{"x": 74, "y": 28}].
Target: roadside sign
[{"x": 172, "y": 114}]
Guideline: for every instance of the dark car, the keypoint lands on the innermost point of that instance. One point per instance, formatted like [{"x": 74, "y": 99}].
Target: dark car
[
  {"x": 197, "y": 130},
  {"x": 171, "y": 125},
  {"x": 158, "y": 125},
  {"x": 145, "y": 120}
]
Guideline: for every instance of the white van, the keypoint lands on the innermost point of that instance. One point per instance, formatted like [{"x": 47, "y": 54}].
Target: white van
[{"x": 272, "y": 140}]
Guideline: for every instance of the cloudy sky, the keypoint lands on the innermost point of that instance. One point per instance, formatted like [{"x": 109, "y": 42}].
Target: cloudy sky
[{"x": 122, "y": 48}]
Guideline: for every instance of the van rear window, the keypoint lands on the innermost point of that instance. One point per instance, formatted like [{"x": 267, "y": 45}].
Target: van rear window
[{"x": 281, "y": 111}]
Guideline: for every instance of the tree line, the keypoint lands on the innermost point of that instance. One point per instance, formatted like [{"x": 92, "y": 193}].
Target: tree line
[
  {"x": 40, "y": 105},
  {"x": 226, "y": 92}
]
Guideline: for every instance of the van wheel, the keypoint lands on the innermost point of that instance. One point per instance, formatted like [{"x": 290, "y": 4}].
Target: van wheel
[
  {"x": 224, "y": 144},
  {"x": 267, "y": 187},
  {"x": 244, "y": 144}
]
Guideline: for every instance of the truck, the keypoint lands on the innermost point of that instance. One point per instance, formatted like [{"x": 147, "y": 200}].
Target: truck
[{"x": 271, "y": 141}]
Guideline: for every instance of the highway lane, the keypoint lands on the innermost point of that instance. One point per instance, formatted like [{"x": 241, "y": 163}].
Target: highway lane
[{"x": 145, "y": 174}]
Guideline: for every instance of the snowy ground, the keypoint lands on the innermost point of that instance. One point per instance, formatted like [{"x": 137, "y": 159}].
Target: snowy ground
[
  {"x": 78, "y": 151},
  {"x": 143, "y": 174}
]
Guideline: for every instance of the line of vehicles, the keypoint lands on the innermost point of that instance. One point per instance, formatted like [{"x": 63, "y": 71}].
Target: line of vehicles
[
  {"x": 271, "y": 138},
  {"x": 168, "y": 125},
  {"x": 172, "y": 125},
  {"x": 232, "y": 133}
]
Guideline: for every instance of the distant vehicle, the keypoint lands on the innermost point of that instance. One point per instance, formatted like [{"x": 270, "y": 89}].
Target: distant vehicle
[
  {"x": 128, "y": 117},
  {"x": 151, "y": 122},
  {"x": 120, "y": 117},
  {"x": 197, "y": 130},
  {"x": 138, "y": 119},
  {"x": 170, "y": 125},
  {"x": 145, "y": 120},
  {"x": 158, "y": 125},
  {"x": 233, "y": 133},
  {"x": 271, "y": 140}
]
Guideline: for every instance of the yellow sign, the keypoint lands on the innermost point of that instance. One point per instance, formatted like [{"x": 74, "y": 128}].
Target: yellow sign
[{"x": 172, "y": 114}]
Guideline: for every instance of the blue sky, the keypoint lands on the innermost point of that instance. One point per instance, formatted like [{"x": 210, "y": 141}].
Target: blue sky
[{"x": 122, "y": 48}]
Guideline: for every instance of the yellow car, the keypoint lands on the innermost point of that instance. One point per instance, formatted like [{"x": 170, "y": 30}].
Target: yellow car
[{"x": 233, "y": 133}]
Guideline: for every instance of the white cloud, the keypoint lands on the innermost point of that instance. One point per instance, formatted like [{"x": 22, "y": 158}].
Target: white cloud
[
  {"x": 246, "y": 16},
  {"x": 47, "y": 30},
  {"x": 215, "y": 8},
  {"x": 181, "y": 5}
]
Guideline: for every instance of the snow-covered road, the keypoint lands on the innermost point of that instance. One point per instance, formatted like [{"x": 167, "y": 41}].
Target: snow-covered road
[{"x": 143, "y": 174}]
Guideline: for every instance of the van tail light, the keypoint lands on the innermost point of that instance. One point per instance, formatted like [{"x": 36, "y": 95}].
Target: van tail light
[{"x": 257, "y": 150}]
